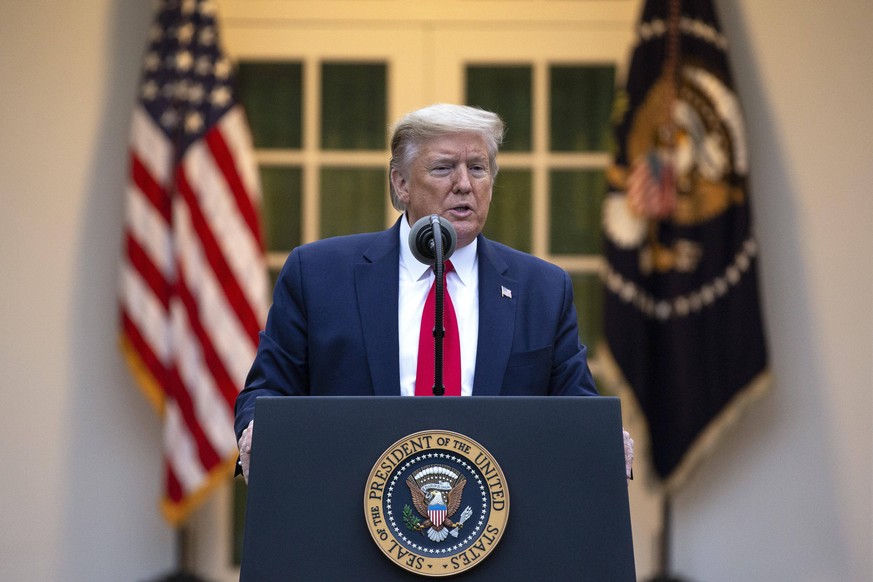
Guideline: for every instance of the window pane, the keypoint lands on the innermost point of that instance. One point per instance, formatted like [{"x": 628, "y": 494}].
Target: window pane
[
  {"x": 274, "y": 277},
  {"x": 580, "y": 105},
  {"x": 509, "y": 217},
  {"x": 575, "y": 211},
  {"x": 281, "y": 211},
  {"x": 272, "y": 94},
  {"x": 352, "y": 200},
  {"x": 588, "y": 295},
  {"x": 353, "y": 106},
  {"x": 508, "y": 92}
]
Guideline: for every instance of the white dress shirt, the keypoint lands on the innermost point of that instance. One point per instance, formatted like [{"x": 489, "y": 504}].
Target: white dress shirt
[{"x": 415, "y": 282}]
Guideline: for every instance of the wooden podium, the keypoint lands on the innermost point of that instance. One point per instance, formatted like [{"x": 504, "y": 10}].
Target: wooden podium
[{"x": 562, "y": 459}]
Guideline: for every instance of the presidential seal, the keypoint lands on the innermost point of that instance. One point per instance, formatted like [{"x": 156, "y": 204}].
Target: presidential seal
[{"x": 436, "y": 503}]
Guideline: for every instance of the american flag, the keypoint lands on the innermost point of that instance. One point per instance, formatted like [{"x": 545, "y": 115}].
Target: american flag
[{"x": 194, "y": 287}]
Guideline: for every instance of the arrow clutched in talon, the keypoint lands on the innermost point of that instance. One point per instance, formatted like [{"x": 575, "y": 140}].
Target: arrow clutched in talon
[{"x": 465, "y": 515}]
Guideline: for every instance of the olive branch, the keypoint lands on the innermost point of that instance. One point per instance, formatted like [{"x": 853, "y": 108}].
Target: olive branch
[{"x": 410, "y": 519}]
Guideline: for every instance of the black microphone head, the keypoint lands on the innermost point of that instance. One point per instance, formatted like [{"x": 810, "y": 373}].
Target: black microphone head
[{"x": 422, "y": 243}]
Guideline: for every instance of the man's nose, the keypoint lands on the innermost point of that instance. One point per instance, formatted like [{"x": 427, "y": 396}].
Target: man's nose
[{"x": 462, "y": 180}]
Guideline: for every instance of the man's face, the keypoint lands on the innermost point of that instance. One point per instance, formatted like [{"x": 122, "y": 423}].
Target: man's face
[{"x": 451, "y": 177}]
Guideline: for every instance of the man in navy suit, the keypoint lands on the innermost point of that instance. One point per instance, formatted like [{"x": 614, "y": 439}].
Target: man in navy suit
[{"x": 347, "y": 310}]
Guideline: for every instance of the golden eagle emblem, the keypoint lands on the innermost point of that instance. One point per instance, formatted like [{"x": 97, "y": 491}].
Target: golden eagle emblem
[
  {"x": 420, "y": 526},
  {"x": 687, "y": 162},
  {"x": 436, "y": 495}
]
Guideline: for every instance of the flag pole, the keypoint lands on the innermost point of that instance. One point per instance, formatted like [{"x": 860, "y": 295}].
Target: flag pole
[
  {"x": 671, "y": 71},
  {"x": 183, "y": 559},
  {"x": 663, "y": 574}
]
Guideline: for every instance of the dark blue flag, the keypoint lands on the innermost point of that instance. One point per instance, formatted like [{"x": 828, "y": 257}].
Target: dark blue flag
[{"x": 683, "y": 320}]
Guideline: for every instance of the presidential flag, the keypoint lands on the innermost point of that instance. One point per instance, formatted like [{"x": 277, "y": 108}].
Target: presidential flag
[
  {"x": 194, "y": 286},
  {"x": 683, "y": 321}
]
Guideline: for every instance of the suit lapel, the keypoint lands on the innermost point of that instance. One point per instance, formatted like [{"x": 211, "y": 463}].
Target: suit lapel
[
  {"x": 377, "y": 288},
  {"x": 496, "y": 320}
]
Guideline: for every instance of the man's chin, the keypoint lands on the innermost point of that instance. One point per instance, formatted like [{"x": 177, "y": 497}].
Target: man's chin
[{"x": 466, "y": 234}]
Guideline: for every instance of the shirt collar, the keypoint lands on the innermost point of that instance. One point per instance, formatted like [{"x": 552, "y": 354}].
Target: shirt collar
[{"x": 464, "y": 259}]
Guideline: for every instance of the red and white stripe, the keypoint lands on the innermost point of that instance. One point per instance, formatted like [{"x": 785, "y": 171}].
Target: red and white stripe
[
  {"x": 437, "y": 516},
  {"x": 194, "y": 293}
]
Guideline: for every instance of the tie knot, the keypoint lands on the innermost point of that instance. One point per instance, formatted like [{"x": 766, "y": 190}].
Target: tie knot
[{"x": 449, "y": 267}]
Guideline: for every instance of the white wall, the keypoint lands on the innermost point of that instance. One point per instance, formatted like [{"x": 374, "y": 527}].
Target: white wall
[
  {"x": 80, "y": 447},
  {"x": 788, "y": 495}
]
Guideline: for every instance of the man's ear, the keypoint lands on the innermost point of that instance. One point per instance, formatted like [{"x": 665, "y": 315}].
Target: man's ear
[{"x": 401, "y": 186}]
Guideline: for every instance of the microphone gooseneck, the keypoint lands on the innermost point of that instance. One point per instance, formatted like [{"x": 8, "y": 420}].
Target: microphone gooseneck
[
  {"x": 439, "y": 329},
  {"x": 435, "y": 250}
]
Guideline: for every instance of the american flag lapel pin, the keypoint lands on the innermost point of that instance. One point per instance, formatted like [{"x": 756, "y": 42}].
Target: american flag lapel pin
[{"x": 504, "y": 292}]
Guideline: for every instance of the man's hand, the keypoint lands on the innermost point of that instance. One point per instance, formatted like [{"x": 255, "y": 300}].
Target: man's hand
[
  {"x": 245, "y": 450},
  {"x": 628, "y": 454}
]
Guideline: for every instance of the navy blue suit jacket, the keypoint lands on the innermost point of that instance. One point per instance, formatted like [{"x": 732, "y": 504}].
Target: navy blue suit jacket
[{"x": 332, "y": 329}]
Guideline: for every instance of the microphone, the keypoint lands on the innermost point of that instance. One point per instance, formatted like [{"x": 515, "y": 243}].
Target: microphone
[
  {"x": 432, "y": 251},
  {"x": 422, "y": 243}
]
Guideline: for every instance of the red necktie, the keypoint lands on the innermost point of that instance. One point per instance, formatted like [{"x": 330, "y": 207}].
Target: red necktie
[{"x": 451, "y": 345}]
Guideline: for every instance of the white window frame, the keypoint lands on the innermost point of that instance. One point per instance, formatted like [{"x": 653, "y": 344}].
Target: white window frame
[{"x": 426, "y": 44}]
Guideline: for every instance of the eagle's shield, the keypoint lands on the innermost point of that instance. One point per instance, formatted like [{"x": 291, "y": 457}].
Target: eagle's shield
[{"x": 437, "y": 514}]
